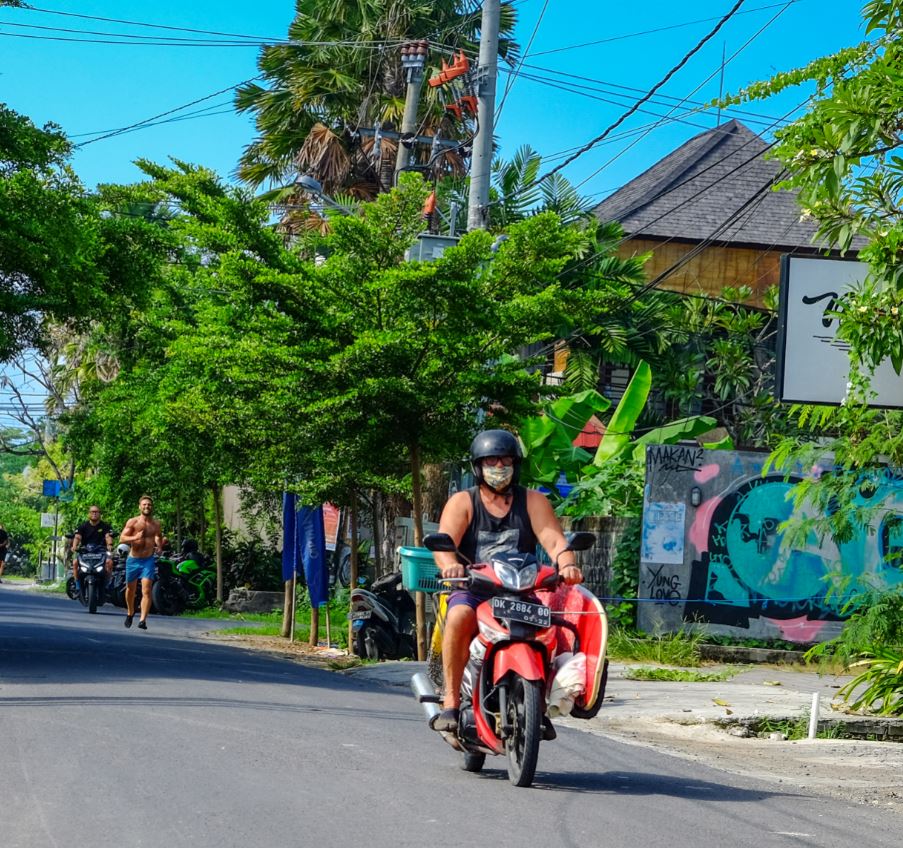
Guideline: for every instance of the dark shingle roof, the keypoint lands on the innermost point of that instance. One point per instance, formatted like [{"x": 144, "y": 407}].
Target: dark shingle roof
[{"x": 712, "y": 188}]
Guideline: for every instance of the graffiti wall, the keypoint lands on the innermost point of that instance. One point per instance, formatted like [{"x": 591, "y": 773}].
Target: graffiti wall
[{"x": 712, "y": 553}]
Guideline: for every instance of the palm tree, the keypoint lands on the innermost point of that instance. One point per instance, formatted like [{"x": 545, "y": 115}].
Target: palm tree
[{"x": 341, "y": 72}]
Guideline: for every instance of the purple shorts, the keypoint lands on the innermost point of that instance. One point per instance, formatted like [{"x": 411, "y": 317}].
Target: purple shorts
[{"x": 461, "y": 597}]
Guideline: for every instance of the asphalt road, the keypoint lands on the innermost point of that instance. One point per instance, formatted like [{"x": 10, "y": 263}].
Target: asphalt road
[{"x": 115, "y": 737}]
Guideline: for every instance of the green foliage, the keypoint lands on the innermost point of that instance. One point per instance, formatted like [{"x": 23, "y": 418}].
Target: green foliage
[
  {"x": 251, "y": 564},
  {"x": 878, "y": 685},
  {"x": 795, "y": 729},
  {"x": 59, "y": 257},
  {"x": 680, "y": 648},
  {"x": 877, "y": 619},
  {"x": 679, "y": 675}
]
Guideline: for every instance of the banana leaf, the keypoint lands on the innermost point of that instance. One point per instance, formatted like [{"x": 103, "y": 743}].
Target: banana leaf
[
  {"x": 686, "y": 428},
  {"x": 548, "y": 438},
  {"x": 622, "y": 423}
]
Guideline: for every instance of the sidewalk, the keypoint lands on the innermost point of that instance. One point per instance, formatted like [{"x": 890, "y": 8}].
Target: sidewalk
[{"x": 707, "y": 722}]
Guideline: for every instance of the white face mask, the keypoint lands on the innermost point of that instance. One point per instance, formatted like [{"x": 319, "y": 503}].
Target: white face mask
[{"x": 498, "y": 476}]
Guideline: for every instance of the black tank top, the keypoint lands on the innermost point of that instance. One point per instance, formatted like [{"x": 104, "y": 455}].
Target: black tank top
[{"x": 487, "y": 535}]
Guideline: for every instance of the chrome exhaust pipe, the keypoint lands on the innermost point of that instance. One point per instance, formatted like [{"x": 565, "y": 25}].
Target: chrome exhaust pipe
[{"x": 425, "y": 693}]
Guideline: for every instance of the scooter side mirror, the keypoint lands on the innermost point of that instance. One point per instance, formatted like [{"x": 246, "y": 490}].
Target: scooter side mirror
[
  {"x": 581, "y": 541},
  {"x": 440, "y": 542}
]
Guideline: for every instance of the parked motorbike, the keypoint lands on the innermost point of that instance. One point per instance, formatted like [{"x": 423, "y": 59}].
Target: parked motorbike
[
  {"x": 197, "y": 577},
  {"x": 168, "y": 593},
  {"x": 540, "y": 652},
  {"x": 383, "y": 620},
  {"x": 92, "y": 576}
]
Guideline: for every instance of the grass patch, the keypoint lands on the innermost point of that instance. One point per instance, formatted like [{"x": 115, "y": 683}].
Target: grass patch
[
  {"x": 796, "y": 728},
  {"x": 681, "y": 648},
  {"x": 50, "y": 588},
  {"x": 679, "y": 675},
  {"x": 261, "y": 630}
]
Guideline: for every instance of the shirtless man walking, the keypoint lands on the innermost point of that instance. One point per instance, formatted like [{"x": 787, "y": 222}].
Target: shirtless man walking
[{"x": 142, "y": 533}]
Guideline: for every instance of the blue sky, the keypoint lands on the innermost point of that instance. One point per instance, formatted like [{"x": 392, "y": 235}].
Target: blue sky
[{"x": 91, "y": 87}]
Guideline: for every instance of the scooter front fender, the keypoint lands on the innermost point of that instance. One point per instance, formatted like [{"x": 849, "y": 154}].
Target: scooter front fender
[{"x": 526, "y": 660}]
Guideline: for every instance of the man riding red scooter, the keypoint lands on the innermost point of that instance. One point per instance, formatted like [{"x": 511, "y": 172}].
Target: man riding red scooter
[{"x": 494, "y": 528}]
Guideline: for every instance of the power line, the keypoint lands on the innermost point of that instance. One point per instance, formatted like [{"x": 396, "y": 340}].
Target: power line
[
  {"x": 144, "y": 24},
  {"x": 593, "y": 142},
  {"x": 146, "y": 121},
  {"x": 520, "y": 64},
  {"x": 650, "y": 31},
  {"x": 733, "y": 56}
]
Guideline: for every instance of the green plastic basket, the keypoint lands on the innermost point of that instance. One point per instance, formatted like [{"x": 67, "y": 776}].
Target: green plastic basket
[{"x": 419, "y": 572}]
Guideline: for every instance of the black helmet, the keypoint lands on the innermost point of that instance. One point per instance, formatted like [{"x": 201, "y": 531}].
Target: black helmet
[{"x": 494, "y": 443}]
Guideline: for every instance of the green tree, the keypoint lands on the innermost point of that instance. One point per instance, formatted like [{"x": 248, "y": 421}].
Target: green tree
[
  {"x": 59, "y": 257},
  {"x": 342, "y": 71},
  {"x": 841, "y": 157}
]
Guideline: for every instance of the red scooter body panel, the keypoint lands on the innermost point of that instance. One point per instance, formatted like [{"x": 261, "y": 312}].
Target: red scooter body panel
[
  {"x": 585, "y": 612},
  {"x": 520, "y": 657}
]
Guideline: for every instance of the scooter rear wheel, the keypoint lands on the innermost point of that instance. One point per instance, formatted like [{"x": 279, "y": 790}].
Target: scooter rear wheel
[{"x": 525, "y": 719}]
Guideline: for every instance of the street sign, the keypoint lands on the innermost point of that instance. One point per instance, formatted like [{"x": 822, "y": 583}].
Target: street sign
[{"x": 48, "y": 519}]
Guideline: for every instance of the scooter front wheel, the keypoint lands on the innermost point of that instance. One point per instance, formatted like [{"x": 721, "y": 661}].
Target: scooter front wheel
[
  {"x": 473, "y": 762},
  {"x": 93, "y": 597},
  {"x": 525, "y": 719}
]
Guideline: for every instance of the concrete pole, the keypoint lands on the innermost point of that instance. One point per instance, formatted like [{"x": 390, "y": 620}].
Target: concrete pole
[
  {"x": 415, "y": 60},
  {"x": 487, "y": 75}
]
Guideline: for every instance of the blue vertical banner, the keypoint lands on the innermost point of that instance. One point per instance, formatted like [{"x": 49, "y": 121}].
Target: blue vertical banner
[
  {"x": 289, "y": 536},
  {"x": 312, "y": 546}
]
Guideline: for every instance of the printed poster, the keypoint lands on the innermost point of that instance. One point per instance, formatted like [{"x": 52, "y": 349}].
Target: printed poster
[{"x": 663, "y": 533}]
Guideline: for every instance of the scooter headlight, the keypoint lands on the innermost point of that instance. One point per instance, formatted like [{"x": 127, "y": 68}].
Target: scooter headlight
[{"x": 515, "y": 578}]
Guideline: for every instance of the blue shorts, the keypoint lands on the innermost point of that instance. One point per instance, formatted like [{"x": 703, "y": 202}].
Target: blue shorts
[{"x": 143, "y": 567}]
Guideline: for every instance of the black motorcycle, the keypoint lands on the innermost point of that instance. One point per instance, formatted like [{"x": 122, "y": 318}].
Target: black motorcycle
[
  {"x": 92, "y": 576},
  {"x": 383, "y": 620}
]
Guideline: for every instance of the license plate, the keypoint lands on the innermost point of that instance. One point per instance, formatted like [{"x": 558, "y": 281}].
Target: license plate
[
  {"x": 357, "y": 615},
  {"x": 522, "y": 611}
]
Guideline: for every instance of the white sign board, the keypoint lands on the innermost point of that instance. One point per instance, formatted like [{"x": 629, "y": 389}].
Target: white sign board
[
  {"x": 813, "y": 365},
  {"x": 48, "y": 519}
]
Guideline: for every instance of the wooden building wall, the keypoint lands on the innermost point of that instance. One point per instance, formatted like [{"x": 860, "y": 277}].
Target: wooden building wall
[{"x": 712, "y": 269}]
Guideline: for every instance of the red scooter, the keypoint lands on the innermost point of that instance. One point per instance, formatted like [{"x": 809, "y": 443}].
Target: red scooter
[{"x": 540, "y": 652}]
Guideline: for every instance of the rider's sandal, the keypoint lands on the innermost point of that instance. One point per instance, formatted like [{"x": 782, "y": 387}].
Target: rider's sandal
[
  {"x": 548, "y": 729},
  {"x": 446, "y": 721}
]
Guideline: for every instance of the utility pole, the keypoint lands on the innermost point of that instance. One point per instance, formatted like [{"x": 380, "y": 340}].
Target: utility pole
[
  {"x": 487, "y": 75},
  {"x": 413, "y": 60}
]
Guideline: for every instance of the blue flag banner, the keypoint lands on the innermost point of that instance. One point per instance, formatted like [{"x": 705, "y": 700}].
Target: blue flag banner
[
  {"x": 312, "y": 545},
  {"x": 289, "y": 539},
  {"x": 304, "y": 547}
]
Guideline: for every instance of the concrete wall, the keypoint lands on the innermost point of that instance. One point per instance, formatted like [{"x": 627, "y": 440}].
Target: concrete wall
[{"x": 721, "y": 563}]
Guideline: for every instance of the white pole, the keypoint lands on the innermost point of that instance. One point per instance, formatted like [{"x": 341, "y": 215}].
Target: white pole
[
  {"x": 487, "y": 74},
  {"x": 328, "y": 637},
  {"x": 813, "y": 716}
]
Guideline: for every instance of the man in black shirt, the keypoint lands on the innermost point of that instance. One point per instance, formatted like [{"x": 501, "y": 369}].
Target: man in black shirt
[
  {"x": 93, "y": 532},
  {"x": 4, "y": 545}
]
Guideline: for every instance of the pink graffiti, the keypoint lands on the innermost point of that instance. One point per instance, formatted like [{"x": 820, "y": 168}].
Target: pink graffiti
[
  {"x": 699, "y": 532},
  {"x": 706, "y": 473},
  {"x": 800, "y": 629}
]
